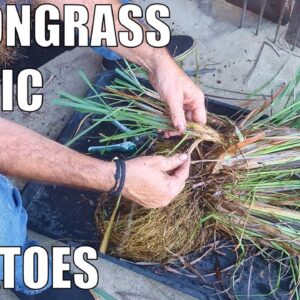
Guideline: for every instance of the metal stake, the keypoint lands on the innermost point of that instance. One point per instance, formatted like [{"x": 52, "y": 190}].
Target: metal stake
[
  {"x": 296, "y": 39},
  {"x": 243, "y": 13},
  {"x": 280, "y": 19},
  {"x": 261, "y": 14}
]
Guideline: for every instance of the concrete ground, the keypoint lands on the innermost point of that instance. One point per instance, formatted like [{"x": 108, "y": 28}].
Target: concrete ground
[{"x": 221, "y": 45}]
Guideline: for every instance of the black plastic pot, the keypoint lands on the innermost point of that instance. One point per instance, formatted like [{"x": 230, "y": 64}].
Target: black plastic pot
[{"x": 67, "y": 215}]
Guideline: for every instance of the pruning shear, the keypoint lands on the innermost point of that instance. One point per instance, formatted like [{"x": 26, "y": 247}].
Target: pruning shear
[{"x": 124, "y": 148}]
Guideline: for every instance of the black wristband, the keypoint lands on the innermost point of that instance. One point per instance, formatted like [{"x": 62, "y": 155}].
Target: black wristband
[{"x": 120, "y": 176}]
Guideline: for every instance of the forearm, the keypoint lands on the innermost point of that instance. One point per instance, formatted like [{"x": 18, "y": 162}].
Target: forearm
[
  {"x": 26, "y": 154},
  {"x": 143, "y": 55}
]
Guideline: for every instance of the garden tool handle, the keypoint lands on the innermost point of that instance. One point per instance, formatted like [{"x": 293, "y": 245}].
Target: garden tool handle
[{"x": 125, "y": 148}]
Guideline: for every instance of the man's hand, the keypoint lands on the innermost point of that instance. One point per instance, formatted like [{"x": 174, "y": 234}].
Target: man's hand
[
  {"x": 150, "y": 181},
  {"x": 184, "y": 98},
  {"x": 155, "y": 181}
]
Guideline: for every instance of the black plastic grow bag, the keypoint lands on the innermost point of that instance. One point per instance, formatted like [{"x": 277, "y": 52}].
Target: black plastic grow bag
[{"x": 67, "y": 215}]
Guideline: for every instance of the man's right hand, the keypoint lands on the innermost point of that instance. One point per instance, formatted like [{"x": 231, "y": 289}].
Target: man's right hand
[{"x": 154, "y": 181}]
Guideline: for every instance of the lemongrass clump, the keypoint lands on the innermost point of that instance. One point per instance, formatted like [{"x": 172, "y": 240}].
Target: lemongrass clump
[
  {"x": 130, "y": 103},
  {"x": 7, "y": 54},
  {"x": 244, "y": 182}
]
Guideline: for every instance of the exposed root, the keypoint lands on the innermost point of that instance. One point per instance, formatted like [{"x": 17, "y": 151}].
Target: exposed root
[{"x": 162, "y": 234}]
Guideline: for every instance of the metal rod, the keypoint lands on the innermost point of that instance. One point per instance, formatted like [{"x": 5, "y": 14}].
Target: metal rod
[
  {"x": 280, "y": 19},
  {"x": 243, "y": 13},
  {"x": 296, "y": 39},
  {"x": 261, "y": 15},
  {"x": 258, "y": 58}
]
